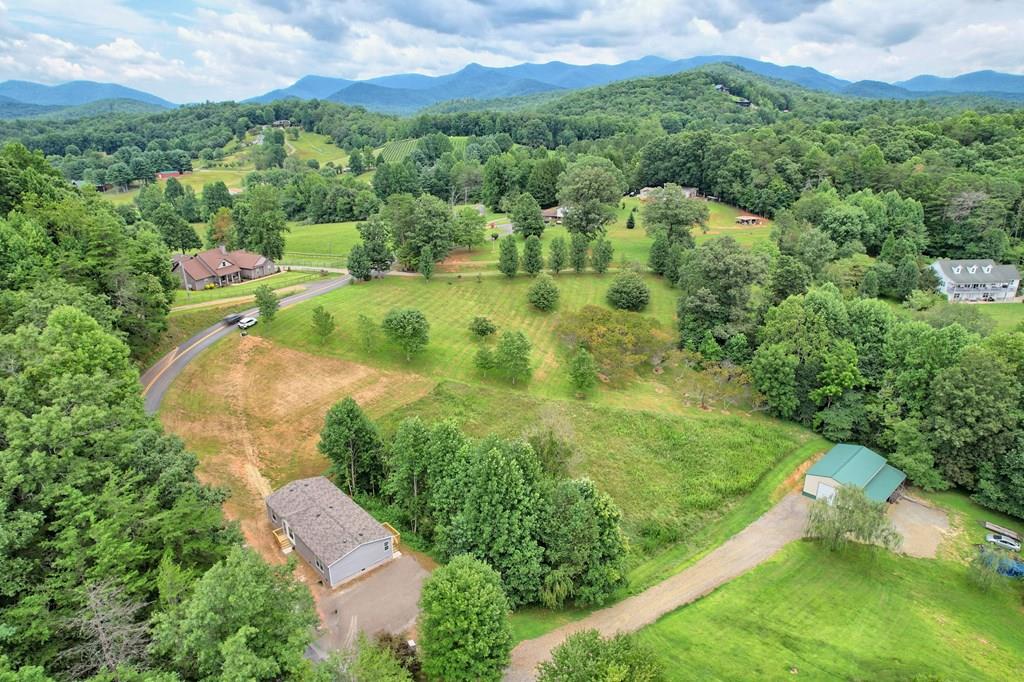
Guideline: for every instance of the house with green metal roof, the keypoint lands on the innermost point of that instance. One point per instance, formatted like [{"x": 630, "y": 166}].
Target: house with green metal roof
[{"x": 849, "y": 464}]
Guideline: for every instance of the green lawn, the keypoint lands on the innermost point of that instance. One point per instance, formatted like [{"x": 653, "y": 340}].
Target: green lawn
[
  {"x": 323, "y": 245},
  {"x": 232, "y": 177},
  {"x": 450, "y": 303},
  {"x": 278, "y": 281},
  {"x": 1006, "y": 315},
  {"x": 630, "y": 245},
  {"x": 969, "y": 518},
  {"x": 864, "y": 614},
  {"x": 317, "y": 146}
]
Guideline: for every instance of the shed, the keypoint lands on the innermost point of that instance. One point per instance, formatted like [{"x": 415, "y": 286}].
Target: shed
[
  {"x": 849, "y": 464},
  {"x": 335, "y": 536}
]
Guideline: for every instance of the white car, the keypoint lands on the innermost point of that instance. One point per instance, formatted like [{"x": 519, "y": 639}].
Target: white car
[
  {"x": 246, "y": 322},
  {"x": 1003, "y": 541}
]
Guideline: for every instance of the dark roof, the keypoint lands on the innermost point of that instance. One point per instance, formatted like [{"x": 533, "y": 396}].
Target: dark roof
[
  {"x": 324, "y": 518},
  {"x": 980, "y": 271},
  {"x": 859, "y": 466}
]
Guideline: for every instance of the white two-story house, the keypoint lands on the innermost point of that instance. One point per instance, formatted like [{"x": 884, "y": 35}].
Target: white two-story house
[{"x": 976, "y": 280}]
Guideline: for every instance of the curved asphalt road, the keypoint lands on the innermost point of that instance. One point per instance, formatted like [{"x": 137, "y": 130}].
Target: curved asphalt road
[{"x": 158, "y": 378}]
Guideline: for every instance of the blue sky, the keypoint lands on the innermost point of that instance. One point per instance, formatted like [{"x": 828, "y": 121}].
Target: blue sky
[{"x": 190, "y": 50}]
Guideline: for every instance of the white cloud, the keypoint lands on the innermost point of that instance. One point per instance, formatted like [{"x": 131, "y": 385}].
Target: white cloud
[{"x": 221, "y": 49}]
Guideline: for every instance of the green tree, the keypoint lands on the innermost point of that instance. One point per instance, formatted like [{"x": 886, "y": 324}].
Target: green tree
[
  {"x": 603, "y": 252},
  {"x": 376, "y": 236},
  {"x": 850, "y": 515},
  {"x": 323, "y": 323},
  {"x": 630, "y": 221},
  {"x": 585, "y": 656},
  {"x": 508, "y": 256},
  {"x": 557, "y": 255},
  {"x": 533, "y": 258},
  {"x": 274, "y": 623},
  {"x": 260, "y": 221},
  {"x": 266, "y": 301},
  {"x": 358, "y": 263},
  {"x": 512, "y": 356},
  {"x": 407, "y": 327},
  {"x": 427, "y": 262},
  {"x": 469, "y": 227},
  {"x": 869, "y": 285},
  {"x": 215, "y": 197},
  {"x": 175, "y": 232},
  {"x": 482, "y": 326},
  {"x": 629, "y": 291},
  {"x": 543, "y": 294},
  {"x": 583, "y": 370},
  {"x": 668, "y": 210},
  {"x": 579, "y": 242},
  {"x": 788, "y": 277},
  {"x": 774, "y": 372},
  {"x": 465, "y": 632},
  {"x": 906, "y": 278},
  {"x": 589, "y": 189},
  {"x": 350, "y": 441},
  {"x": 526, "y": 217}
]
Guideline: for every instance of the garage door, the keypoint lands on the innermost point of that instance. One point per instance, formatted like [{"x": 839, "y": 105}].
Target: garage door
[{"x": 826, "y": 492}]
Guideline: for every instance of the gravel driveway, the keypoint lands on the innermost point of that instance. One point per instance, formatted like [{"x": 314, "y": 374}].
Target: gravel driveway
[{"x": 759, "y": 541}]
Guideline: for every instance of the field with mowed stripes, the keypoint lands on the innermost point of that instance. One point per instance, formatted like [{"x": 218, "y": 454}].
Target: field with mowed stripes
[{"x": 450, "y": 303}]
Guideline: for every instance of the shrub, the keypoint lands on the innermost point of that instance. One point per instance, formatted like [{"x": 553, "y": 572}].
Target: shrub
[
  {"x": 629, "y": 292},
  {"x": 482, "y": 326},
  {"x": 543, "y": 295}
]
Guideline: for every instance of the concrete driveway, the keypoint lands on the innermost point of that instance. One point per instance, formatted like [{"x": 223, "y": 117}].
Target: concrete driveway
[{"x": 387, "y": 599}]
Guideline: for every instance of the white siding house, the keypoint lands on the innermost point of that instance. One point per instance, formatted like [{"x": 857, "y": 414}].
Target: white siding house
[
  {"x": 976, "y": 280},
  {"x": 335, "y": 536}
]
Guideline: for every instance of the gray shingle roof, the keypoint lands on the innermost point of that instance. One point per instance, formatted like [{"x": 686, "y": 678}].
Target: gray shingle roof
[
  {"x": 324, "y": 518},
  {"x": 982, "y": 271}
]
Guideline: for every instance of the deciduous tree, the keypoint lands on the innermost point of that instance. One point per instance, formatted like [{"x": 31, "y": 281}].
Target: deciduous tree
[
  {"x": 407, "y": 327},
  {"x": 350, "y": 441}
]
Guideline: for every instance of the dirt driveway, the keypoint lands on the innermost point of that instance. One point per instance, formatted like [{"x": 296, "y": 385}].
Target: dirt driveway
[
  {"x": 387, "y": 599},
  {"x": 756, "y": 543},
  {"x": 922, "y": 526}
]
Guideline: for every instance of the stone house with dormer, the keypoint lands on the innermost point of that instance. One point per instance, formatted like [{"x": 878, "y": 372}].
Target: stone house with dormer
[{"x": 976, "y": 280}]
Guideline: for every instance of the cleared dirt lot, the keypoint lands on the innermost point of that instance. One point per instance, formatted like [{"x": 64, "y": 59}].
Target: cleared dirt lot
[
  {"x": 253, "y": 411},
  {"x": 922, "y": 526}
]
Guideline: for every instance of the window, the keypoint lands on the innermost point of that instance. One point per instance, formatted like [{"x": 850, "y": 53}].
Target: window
[
  {"x": 387, "y": 545},
  {"x": 273, "y": 517},
  {"x": 957, "y": 269},
  {"x": 972, "y": 269},
  {"x": 319, "y": 566}
]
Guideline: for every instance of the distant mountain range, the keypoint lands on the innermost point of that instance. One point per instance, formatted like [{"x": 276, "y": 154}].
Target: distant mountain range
[{"x": 407, "y": 93}]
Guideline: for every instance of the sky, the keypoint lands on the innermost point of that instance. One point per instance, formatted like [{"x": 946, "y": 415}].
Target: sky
[{"x": 194, "y": 50}]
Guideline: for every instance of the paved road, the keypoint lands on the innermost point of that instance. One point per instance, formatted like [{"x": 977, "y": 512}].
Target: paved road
[
  {"x": 158, "y": 378},
  {"x": 756, "y": 543}
]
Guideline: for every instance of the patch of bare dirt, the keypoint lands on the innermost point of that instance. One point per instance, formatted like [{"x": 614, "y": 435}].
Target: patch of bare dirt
[
  {"x": 795, "y": 481},
  {"x": 254, "y": 412}
]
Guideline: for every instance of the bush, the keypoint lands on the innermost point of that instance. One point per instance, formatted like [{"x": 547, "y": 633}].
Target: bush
[
  {"x": 482, "y": 326},
  {"x": 543, "y": 295},
  {"x": 921, "y": 300},
  {"x": 629, "y": 292}
]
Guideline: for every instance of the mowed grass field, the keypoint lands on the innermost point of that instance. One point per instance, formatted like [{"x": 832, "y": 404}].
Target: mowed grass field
[
  {"x": 863, "y": 614},
  {"x": 450, "y": 303},
  {"x": 1006, "y": 315},
  {"x": 316, "y": 146},
  {"x": 232, "y": 177},
  {"x": 630, "y": 245},
  {"x": 322, "y": 245},
  {"x": 279, "y": 281}
]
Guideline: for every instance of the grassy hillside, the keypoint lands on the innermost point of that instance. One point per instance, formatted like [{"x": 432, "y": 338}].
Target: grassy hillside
[{"x": 865, "y": 614}]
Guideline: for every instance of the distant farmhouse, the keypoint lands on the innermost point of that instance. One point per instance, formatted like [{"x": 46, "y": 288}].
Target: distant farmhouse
[
  {"x": 220, "y": 267},
  {"x": 856, "y": 465},
  {"x": 165, "y": 174},
  {"x": 689, "y": 192},
  {"x": 553, "y": 215},
  {"x": 748, "y": 220},
  {"x": 976, "y": 280},
  {"x": 336, "y": 536}
]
